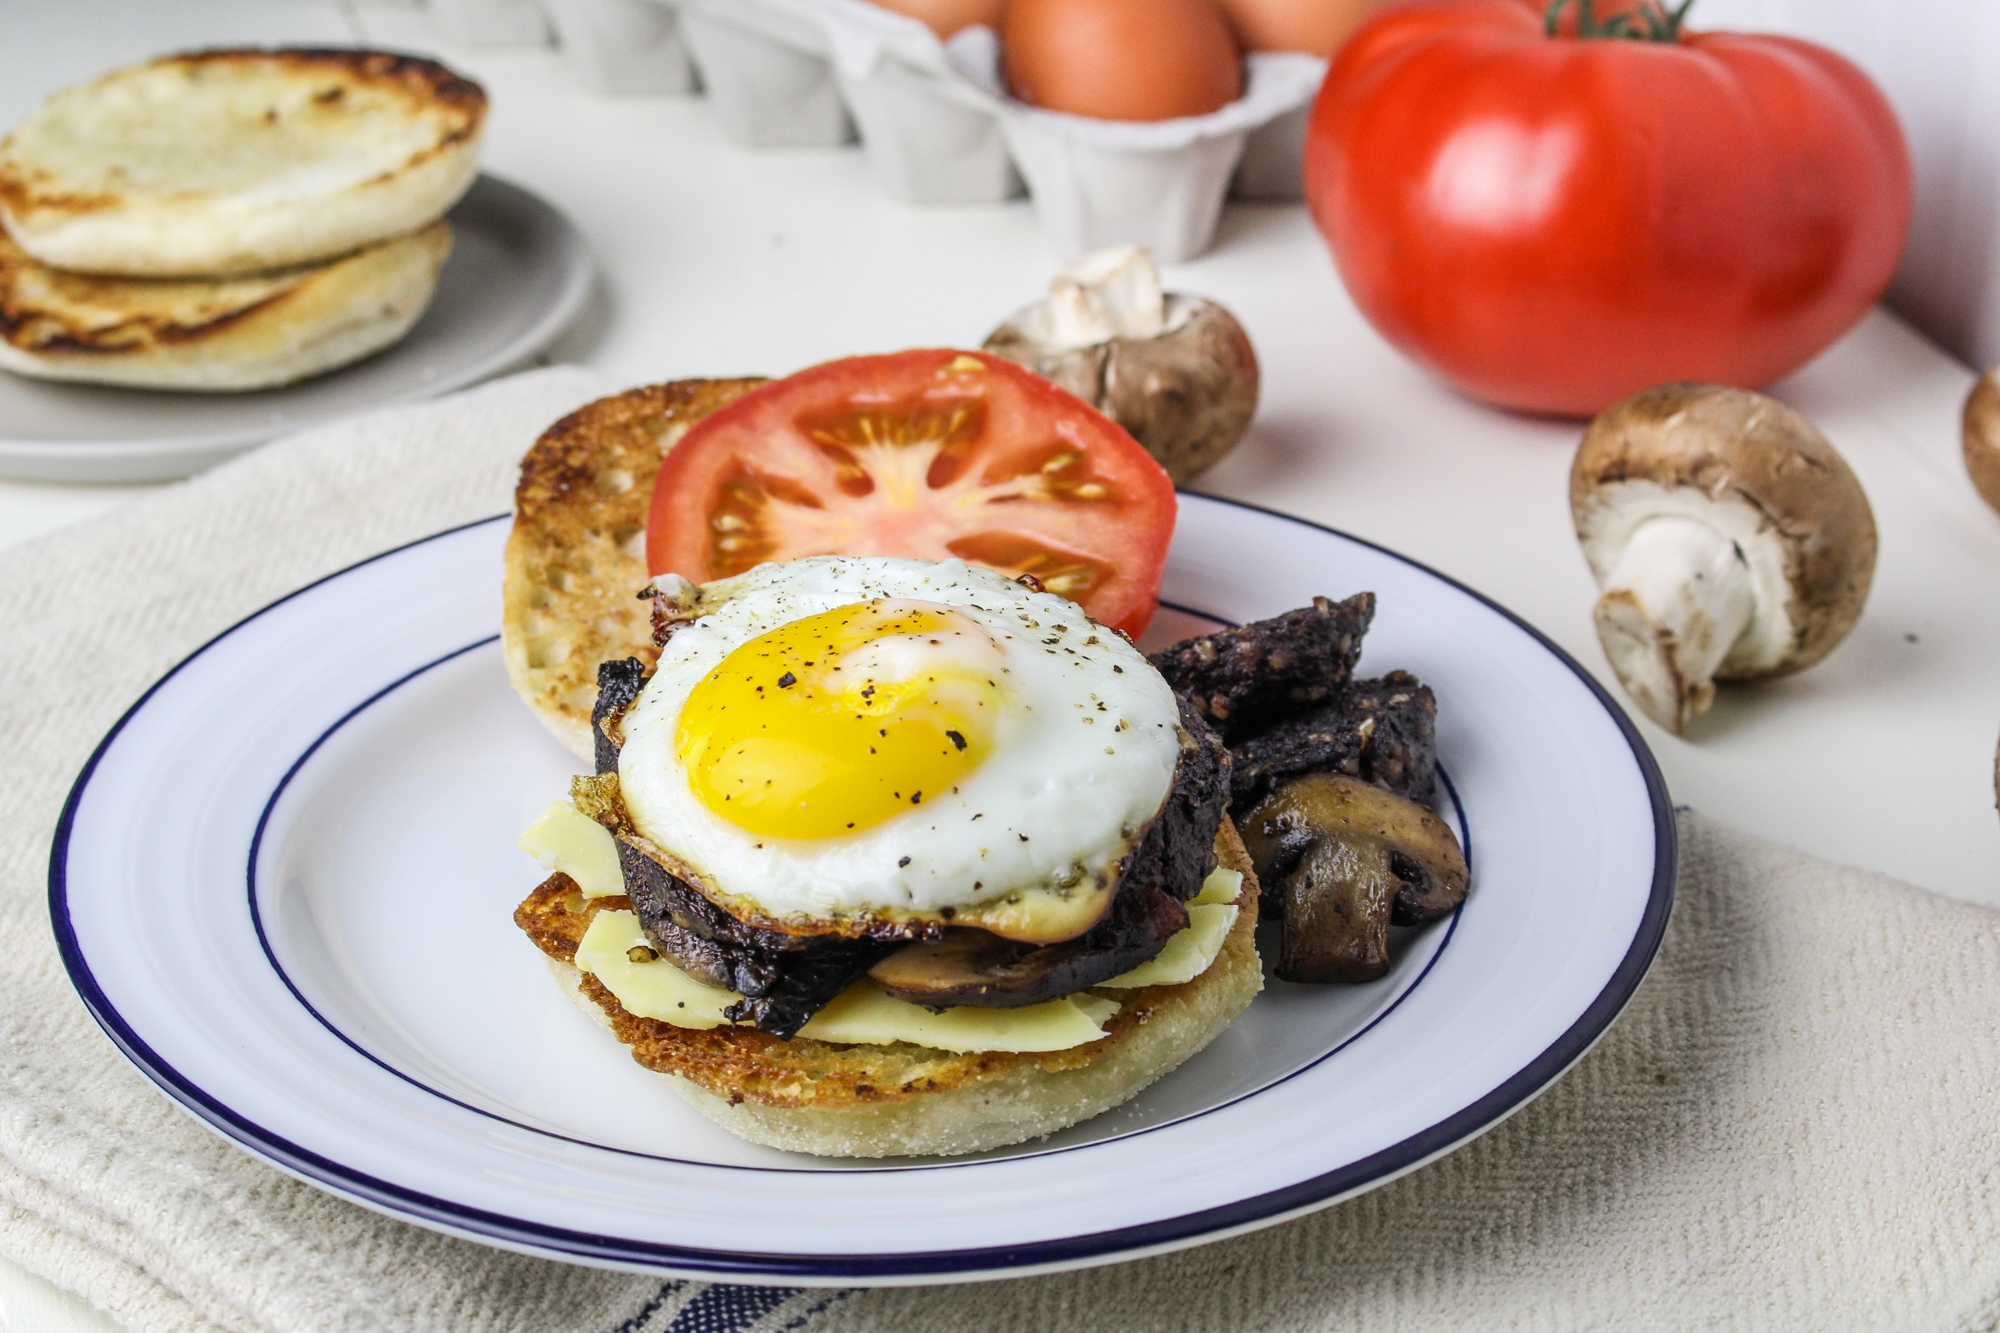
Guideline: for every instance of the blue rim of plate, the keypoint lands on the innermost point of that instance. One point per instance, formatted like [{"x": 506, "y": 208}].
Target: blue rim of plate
[{"x": 1460, "y": 1127}]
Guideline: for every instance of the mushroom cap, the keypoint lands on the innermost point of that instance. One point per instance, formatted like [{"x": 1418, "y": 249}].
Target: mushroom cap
[
  {"x": 1757, "y": 456},
  {"x": 1982, "y": 436},
  {"x": 1186, "y": 394}
]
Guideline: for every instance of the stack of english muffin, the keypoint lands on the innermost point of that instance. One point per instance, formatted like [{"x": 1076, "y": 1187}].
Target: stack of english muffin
[{"x": 230, "y": 220}]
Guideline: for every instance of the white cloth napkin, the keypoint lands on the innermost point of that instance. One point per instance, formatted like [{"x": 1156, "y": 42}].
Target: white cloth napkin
[{"x": 1795, "y": 1126}]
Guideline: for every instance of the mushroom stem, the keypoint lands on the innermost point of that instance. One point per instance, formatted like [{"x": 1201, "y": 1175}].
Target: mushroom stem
[
  {"x": 1676, "y": 602},
  {"x": 1109, "y": 294}
]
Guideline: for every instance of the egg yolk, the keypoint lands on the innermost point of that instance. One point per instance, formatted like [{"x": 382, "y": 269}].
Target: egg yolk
[{"x": 842, "y": 720}]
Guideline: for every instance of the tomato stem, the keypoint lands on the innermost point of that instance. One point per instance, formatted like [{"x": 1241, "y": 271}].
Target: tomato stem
[{"x": 1651, "y": 21}]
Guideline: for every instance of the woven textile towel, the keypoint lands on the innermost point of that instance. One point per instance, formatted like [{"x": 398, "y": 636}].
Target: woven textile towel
[{"x": 1796, "y": 1125}]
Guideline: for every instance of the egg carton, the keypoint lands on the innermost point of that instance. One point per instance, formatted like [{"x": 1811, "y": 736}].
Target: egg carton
[
  {"x": 939, "y": 127},
  {"x": 623, "y": 46}
]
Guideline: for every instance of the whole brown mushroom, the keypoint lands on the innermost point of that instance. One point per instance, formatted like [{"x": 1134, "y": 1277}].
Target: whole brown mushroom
[
  {"x": 1177, "y": 371},
  {"x": 1981, "y": 436},
  {"x": 1730, "y": 540}
]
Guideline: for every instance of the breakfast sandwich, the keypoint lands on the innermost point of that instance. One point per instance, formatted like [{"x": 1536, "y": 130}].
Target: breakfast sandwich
[
  {"x": 221, "y": 163},
  {"x": 888, "y": 856},
  {"x": 891, "y": 847},
  {"x": 215, "y": 334},
  {"x": 882, "y": 855}
]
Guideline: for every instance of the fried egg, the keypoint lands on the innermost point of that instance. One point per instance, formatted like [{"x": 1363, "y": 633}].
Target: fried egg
[{"x": 842, "y": 740}]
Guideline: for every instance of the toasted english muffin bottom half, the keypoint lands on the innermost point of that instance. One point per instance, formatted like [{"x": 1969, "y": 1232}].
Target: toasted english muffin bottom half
[
  {"x": 222, "y": 163},
  {"x": 901, "y": 1099},
  {"x": 576, "y": 554},
  {"x": 214, "y": 334}
]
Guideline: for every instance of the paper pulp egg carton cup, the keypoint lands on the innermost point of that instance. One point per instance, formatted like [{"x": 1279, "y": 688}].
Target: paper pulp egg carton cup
[
  {"x": 1159, "y": 184},
  {"x": 623, "y": 46},
  {"x": 806, "y": 72},
  {"x": 932, "y": 135},
  {"x": 767, "y": 66}
]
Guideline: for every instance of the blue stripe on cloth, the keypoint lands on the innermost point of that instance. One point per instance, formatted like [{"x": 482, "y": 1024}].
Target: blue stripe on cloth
[
  {"x": 696, "y": 1307},
  {"x": 729, "y": 1309}
]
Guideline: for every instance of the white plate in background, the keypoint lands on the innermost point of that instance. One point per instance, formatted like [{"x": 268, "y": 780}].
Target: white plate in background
[
  {"x": 518, "y": 272},
  {"x": 283, "y": 885}
]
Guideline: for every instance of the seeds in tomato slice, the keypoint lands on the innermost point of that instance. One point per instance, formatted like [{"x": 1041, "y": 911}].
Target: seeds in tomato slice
[
  {"x": 1058, "y": 572},
  {"x": 906, "y": 465}
]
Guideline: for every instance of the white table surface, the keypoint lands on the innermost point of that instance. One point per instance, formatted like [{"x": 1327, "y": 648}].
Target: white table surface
[{"x": 717, "y": 259}]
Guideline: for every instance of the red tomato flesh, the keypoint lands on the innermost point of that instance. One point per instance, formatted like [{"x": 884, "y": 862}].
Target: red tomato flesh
[
  {"x": 1552, "y": 223},
  {"x": 929, "y": 454}
]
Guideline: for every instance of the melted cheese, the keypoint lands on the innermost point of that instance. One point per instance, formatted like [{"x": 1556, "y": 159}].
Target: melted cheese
[
  {"x": 863, "y": 1015},
  {"x": 564, "y": 838},
  {"x": 1040, "y": 915},
  {"x": 650, "y": 989}
]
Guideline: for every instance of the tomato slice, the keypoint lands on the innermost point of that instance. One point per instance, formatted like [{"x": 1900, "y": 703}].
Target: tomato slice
[{"x": 930, "y": 454}]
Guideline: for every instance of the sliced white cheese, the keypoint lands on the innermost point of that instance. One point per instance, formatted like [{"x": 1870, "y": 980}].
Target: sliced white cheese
[
  {"x": 1188, "y": 953},
  {"x": 864, "y": 1015},
  {"x": 652, "y": 989},
  {"x": 566, "y": 839},
  {"x": 1221, "y": 886},
  {"x": 861, "y": 1015}
]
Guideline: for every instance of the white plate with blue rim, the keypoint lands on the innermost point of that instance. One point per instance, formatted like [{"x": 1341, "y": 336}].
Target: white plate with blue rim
[{"x": 284, "y": 884}]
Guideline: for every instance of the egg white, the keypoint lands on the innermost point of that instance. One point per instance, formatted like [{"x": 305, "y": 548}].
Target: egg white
[{"x": 1058, "y": 800}]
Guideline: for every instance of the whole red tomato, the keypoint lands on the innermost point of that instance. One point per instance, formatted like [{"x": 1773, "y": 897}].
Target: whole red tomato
[{"x": 1552, "y": 221}]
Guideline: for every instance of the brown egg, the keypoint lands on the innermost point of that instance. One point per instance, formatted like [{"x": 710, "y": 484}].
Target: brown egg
[
  {"x": 1121, "y": 59},
  {"x": 1318, "y": 26},
  {"x": 946, "y": 17}
]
